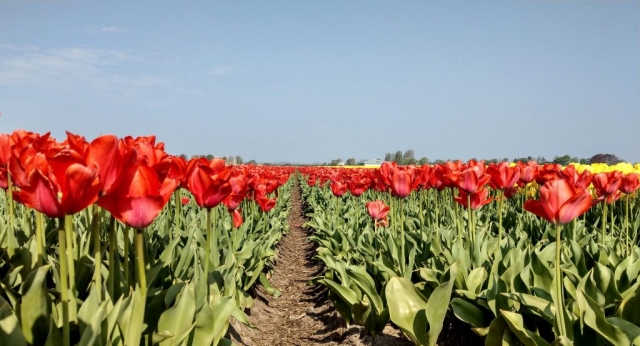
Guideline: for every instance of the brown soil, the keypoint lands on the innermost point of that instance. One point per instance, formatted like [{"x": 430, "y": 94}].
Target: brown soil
[{"x": 303, "y": 315}]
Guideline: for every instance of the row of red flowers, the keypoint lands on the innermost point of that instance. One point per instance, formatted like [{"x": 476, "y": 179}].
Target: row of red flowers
[
  {"x": 469, "y": 178},
  {"x": 132, "y": 178}
]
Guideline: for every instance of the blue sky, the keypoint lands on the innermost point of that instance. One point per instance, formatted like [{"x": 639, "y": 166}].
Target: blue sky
[{"x": 311, "y": 81}]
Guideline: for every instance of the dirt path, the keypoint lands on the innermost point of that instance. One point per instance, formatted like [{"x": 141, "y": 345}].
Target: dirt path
[{"x": 302, "y": 315}]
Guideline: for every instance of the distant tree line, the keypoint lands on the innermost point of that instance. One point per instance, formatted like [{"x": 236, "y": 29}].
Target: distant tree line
[{"x": 408, "y": 158}]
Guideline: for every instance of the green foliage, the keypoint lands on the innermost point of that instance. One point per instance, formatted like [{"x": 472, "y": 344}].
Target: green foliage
[
  {"x": 502, "y": 288},
  {"x": 182, "y": 305}
]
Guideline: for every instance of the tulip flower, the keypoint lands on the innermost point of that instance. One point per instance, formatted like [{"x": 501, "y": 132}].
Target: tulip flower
[
  {"x": 403, "y": 181},
  {"x": 503, "y": 176},
  {"x": 209, "y": 186},
  {"x": 560, "y": 202},
  {"x": 185, "y": 200},
  {"x": 237, "y": 218},
  {"x": 477, "y": 199},
  {"x": 630, "y": 183},
  {"x": 527, "y": 171},
  {"x": 378, "y": 211},
  {"x": 607, "y": 185},
  {"x": 139, "y": 196},
  {"x": 471, "y": 179},
  {"x": 338, "y": 188},
  {"x": 266, "y": 203}
]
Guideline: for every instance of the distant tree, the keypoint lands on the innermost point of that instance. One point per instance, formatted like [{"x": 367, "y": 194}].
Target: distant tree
[
  {"x": 335, "y": 162},
  {"x": 388, "y": 157},
  {"x": 609, "y": 159},
  {"x": 541, "y": 160},
  {"x": 408, "y": 154},
  {"x": 209, "y": 157},
  {"x": 506, "y": 159},
  {"x": 523, "y": 159},
  {"x": 439, "y": 161},
  {"x": 423, "y": 161},
  {"x": 584, "y": 161},
  {"x": 252, "y": 162},
  {"x": 238, "y": 160},
  {"x": 184, "y": 156},
  {"x": 351, "y": 161},
  {"x": 563, "y": 160},
  {"x": 397, "y": 158},
  {"x": 491, "y": 161}
]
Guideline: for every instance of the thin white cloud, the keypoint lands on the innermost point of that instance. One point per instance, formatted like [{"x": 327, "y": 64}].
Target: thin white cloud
[
  {"x": 105, "y": 30},
  {"x": 76, "y": 68},
  {"x": 220, "y": 71},
  {"x": 112, "y": 30}
]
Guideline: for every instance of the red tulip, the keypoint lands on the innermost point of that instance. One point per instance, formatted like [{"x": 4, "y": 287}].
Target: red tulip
[
  {"x": 377, "y": 210},
  {"x": 209, "y": 186},
  {"x": 185, "y": 200},
  {"x": 237, "y": 218},
  {"x": 579, "y": 180},
  {"x": 560, "y": 202},
  {"x": 607, "y": 185},
  {"x": 59, "y": 186},
  {"x": 471, "y": 179},
  {"x": 266, "y": 203},
  {"x": 139, "y": 196},
  {"x": 338, "y": 188},
  {"x": 108, "y": 153},
  {"x": 5, "y": 156},
  {"x": 403, "y": 181},
  {"x": 527, "y": 171},
  {"x": 478, "y": 198},
  {"x": 630, "y": 183},
  {"x": 548, "y": 172},
  {"x": 503, "y": 176}
]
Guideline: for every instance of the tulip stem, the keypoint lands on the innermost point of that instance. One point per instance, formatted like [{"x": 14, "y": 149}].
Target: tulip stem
[
  {"x": 559, "y": 285},
  {"x": 39, "y": 237},
  {"x": 127, "y": 243},
  {"x": 470, "y": 221},
  {"x": 403, "y": 264},
  {"x": 455, "y": 211},
  {"x": 214, "y": 238},
  {"x": 140, "y": 264},
  {"x": 70, "y": 233},
  {"x": 11, "y": 236},
  {"x": 500, "y": 207},
  {"x": 64, "y": 277},
  {"x": 435, "y": 203},
  {"x": 604, "y": 220},
  {"x": 207, "y": 250},
  {"x": 626, "y": 224},
  {"x": 97, "y": 250},
  {"x": 113, "y": 253}
]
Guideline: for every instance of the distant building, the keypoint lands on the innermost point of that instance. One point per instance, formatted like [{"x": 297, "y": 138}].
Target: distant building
[{"x": 371, "y": 163}]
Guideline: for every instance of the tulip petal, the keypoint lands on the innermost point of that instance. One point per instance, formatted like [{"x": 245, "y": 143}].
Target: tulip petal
[
  {"x": 83, "y": 186},
  {"x": 540, "y": 208},
  {"x": 237, "y": 218},
  {"x": 574, "y": 207},
  {"x": 39, "y": 194},
  {"x": 139, "y": 212}
]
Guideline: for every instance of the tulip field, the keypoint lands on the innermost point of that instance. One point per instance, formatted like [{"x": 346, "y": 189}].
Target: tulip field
[
  {"x": 113, "y": 241},
  {"x": 522, "y": 254}
]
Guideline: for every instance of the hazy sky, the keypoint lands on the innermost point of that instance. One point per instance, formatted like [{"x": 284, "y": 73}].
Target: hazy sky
[{"x": 309, "y": 81}]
